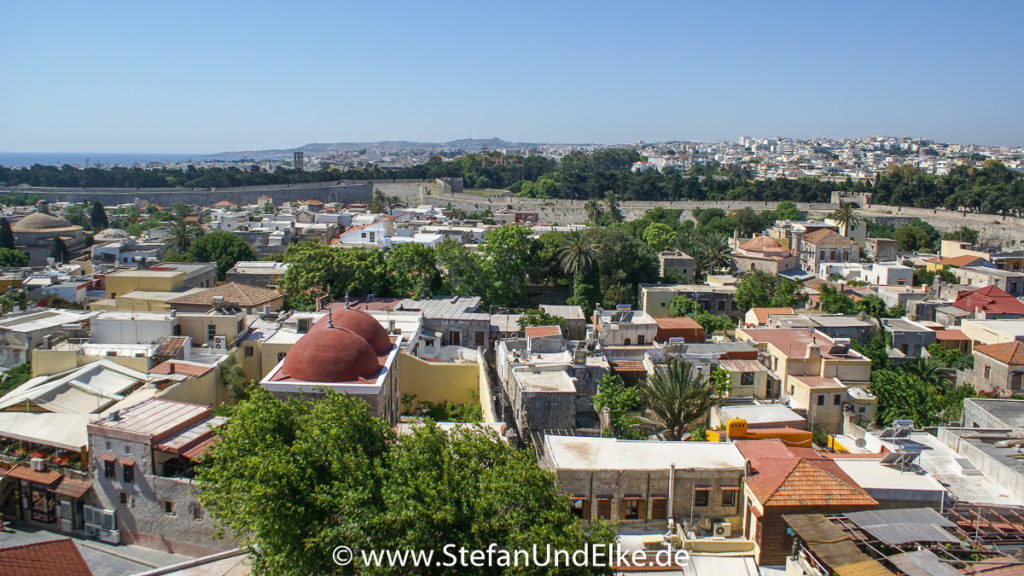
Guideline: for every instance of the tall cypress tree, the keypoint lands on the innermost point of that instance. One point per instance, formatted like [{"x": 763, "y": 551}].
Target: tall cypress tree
[
  {"x": 98, "y": 216},
  {"x": 6, "y": 235},
  {"x": 59, "y": 250}
]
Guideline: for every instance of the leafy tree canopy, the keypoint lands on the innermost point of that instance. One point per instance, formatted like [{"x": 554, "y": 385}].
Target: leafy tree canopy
[{"x": 224, "y": 248}]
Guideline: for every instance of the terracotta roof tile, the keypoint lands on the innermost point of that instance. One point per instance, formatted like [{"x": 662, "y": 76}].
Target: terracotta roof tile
[
  {"x": 73, "y": 488},
  {"x": 241, "y": 294},
  {"x": 176, "y": 367},
  {"x": 808, "y": 484},
  {"x": 542, "y": 331},
  {"x": 762, "y": 314},
  {"x": 991, "y": 300},
  {"x": 1006, "y": 352},
  {"x": 53, "y": 558},
  {"x": 827, "y": 237},
  {"x": 29, "y": 475}
]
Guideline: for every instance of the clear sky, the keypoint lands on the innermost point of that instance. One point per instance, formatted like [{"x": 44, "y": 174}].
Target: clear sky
[{"x": 203, "y": 77}]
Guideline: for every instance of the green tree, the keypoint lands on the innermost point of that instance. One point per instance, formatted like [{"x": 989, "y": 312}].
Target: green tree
[
  {"x": 679, "y": 396},
  {"x": 578, "y": 252},
  {"x": 59, "y": 250},
  {"x": 847, "y": 218},
  {"x": 787, "y": 210},
  {"x": 902, "y": 395},
  {"x": 712, "y": 323},
  {"x": 681, "y": 305},
  {"x": 412, "y": 270},
  {"x": 337, "y": 476},
  {"x": 6, "y": 235},
  {"x": 182, "y": 235},
  {"x": 463, "y": 270},
  {"x": 622, "y": 402},
  {"x": 659, "y": 236},
  {"x": 11, "y": 258},
  {"x": 612, "y": 204},
  {"x": 593, "y": 211},
  {"x": 15, "y": 377},
  {"x": 713, "y": 254},
  {"x": 917, "y": 235},
  {"x": 538, "y": 317},
  {"x": 233, "y": 376},
  {"x": 834, "y": 302},
  {"x": 224, "y": 248},
  {"x": 507, "y": 251},
  {"x": 181, "y": 210},
  {"x": 98, "y": 216}
]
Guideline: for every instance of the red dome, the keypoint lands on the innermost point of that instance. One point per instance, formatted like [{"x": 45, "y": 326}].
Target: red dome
[
  {"x": 363, "y": 324},
  {"x": 329, "y": 355}
]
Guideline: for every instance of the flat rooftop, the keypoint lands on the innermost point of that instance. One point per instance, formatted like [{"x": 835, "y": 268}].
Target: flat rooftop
[
  {"x": 156, "y": 417},
  {"x": 586, "y": 453},
  {"x": 544, "y": 380},
  {"x": 760, "y": 413},
  {"x": 1009, "y": 412}
]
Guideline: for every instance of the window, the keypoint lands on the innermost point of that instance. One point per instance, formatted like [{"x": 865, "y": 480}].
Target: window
[
  {"x": 280, "y": 356},
  {"x": 640, "y": 340},
  {"x": 821, "y": 256},
  {"x": 127, "y": 472},
  {"x": 821, "y": 399},
  {"x": 124, "y": 498},
  {"x": 747, "y": 379},
  {"x": 659, "y": 508},
  {"x": 248, "y": 351},
  {"x": 169, "y": 507},
  {"x": 241, "y": 324},
  {"x": 988, "y": 371},
  {"x": 211, "y": 331},
  {"x": 454, "y": 338},
  {"x": 729, "y": 497},
  {"x": 108, "y": 469},
  {"x": 701, "y": 497},
  {"x": 836, "y": 400},
  {"x": 176, "y": 330},
  {"x": 631, "y": 509},
  {"x": 303, "y": 325},
  {"x": 860, "y": 410},
  {"x": 1016, "y": 381},
  {"x": 604, "y": 507},
  {"x": 721, "y": 305},
  {"x": 195, "y": 511},
  {"x": 580, "y": 508}
]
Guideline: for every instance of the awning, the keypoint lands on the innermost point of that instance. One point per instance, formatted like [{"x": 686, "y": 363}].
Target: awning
[
  {"x": 628, "y": 366},
  {"x": 127, "y": 462},
  {"x": 107, "y": 458},
  {"x": 67, "y": 431},
  {"x": 29, "y": 475},
  {"x": 742, "y": 366},
  {"x": 74, "y": 489}
]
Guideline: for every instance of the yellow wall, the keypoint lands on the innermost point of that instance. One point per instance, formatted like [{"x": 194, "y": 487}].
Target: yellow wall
[
  {"x": 195, "y": 326},
  {"x": 439, "y": 382},
  {"x": 134, "y": 304},
  {"x": 124, "y": 282},
  {"x": 46, "y": 362},
  {"x": 207, "y": 390},
  {"x": 952, "y": 249}
]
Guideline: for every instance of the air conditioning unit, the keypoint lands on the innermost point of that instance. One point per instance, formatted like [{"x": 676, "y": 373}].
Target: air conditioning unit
[
  {"x": 65, "y": 525},
  {"x": 722, "y": 529},
  {"x": 110, "y": 536},
  {"x": 38, "y": 465},
  {"x": 220, "y": 342}
]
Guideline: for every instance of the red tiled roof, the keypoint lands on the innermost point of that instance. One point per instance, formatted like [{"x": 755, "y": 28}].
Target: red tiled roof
[
  {"x": 542, "y": 331},
  {"x": 991, "y": 300},
  {"x": 791, "y": 476},
  {"x": 764, "y": 244},
  {"x": 827, "y": 237},
  {"x": 1006, "y": 352},
  {"x": 29, "y": 475},
  {"x": 73, "y": 488},
  {"x": 232, "y": 292},
  {"x": 762, "y": 314},
  {"x": 225, "y": 204},
  {"x": 952, "y": 335},
  {"x": 964, "y": 260},
  {"x": 53, "y": 558}
]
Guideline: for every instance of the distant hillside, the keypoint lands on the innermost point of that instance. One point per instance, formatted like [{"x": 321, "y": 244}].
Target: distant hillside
[{"x": 466, "y": 144}]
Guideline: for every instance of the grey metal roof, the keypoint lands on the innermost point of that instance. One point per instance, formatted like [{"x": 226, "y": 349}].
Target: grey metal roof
[
  {"x": 923, "y": 563},
  {"x": 903, "y": 526}
]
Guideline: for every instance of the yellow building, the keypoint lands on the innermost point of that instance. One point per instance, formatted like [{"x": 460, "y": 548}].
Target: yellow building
[
  {"x": 798, "y": 352},
  {"x": 166, "y": 277}
]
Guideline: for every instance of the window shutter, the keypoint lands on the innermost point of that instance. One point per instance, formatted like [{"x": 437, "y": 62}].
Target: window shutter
[{"x": 659, "y": 507}]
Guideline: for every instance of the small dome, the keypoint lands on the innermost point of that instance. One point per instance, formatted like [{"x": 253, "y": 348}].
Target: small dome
[
  {"x": 363, "y": 324},
  {"x": 329, "y": 355},
  {"x": 110, "y": 234},
  {"x": 763, "y": 244},
  {"x": 43, "y": 222}
]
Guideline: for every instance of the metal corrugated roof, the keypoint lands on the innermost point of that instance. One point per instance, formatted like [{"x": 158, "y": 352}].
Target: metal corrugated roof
[
  {"x": 904, "y": 525},
  {"x": 923, "y": 563}
]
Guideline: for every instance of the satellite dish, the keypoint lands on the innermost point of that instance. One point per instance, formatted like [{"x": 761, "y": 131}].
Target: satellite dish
[{"x": 860, "y": 443}]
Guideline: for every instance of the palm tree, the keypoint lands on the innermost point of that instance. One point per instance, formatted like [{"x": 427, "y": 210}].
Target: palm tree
[
  {"x": 578, "y": 252},
  {"x": 713, "y": 251},
  {"x": 928, "y": 371},
  {"x": 182, "y": 236},
  {"x": 613, "y": 206},
  {"x": 846, "y": 217},
  {"x": 593, "y": 210},
  {"x": 679, "y": 396}
]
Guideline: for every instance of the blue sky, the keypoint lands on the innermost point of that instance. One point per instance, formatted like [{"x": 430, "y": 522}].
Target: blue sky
[{"x": 201, "y": 77}]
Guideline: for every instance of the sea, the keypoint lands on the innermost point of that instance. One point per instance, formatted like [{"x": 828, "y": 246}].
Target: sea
[{"x": 101, "y": 159}]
